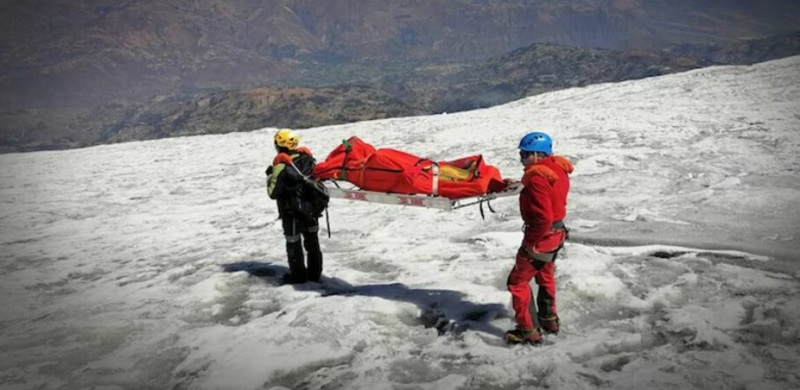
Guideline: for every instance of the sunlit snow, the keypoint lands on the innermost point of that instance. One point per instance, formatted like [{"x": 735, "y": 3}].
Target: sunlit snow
[{"x": 156, "y": 265}]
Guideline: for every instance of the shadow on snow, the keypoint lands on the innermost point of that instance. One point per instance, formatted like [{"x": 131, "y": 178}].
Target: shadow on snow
[{"x": 445, "y": 310}]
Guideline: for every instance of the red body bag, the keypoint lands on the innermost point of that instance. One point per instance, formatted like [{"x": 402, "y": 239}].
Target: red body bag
[{"x": 395, "y": 171}]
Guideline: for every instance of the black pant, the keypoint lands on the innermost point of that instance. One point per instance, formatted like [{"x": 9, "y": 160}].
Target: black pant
[{"x": 303, "y": 233}]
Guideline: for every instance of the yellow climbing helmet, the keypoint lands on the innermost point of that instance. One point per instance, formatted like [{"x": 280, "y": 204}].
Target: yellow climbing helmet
[{"x": 286, "y": 138}]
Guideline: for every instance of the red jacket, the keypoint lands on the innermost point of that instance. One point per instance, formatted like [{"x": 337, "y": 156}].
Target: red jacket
[{"x": 544, "y": 201}]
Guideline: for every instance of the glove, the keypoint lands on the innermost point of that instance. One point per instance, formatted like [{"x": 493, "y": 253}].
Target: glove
[{"x": 269, "y": 170}]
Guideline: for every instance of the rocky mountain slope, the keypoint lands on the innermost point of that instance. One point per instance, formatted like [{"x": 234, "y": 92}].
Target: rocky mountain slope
[
  {"x": 423, "y": 90},
  {"x": 76, "y": 72}
]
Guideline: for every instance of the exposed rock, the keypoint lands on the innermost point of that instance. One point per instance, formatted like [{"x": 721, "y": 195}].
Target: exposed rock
[{"x": 79, "y": 72}]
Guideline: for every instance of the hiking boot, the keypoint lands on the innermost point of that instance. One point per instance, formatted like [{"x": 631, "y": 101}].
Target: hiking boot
[
  {"x": 523, "y": 336},
  {"x": 549, "y": 324}
]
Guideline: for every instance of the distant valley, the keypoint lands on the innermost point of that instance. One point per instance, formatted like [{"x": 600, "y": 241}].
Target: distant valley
[{"x": 79, "y": 73}]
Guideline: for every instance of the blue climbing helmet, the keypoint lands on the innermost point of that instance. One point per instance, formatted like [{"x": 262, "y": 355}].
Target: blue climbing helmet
[{"x": 536, "y": 142}]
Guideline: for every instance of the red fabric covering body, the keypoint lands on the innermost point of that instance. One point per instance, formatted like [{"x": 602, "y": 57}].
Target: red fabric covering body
[{"x": 395, "y": 171}]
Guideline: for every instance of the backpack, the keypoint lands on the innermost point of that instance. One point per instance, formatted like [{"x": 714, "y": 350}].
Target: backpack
[
  {"x": 311, "y": 198},
  {"x": 317, "y": 197}
]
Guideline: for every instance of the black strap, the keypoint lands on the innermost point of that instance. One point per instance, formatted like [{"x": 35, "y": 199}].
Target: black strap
[
  {"x": 555, "y": 226},
  {"x": 347, "y": 148}
]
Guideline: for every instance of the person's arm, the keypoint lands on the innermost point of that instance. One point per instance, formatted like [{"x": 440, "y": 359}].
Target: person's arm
[
  {"x": 274, "y": 185},
  {"x": 539, "y": 212}
]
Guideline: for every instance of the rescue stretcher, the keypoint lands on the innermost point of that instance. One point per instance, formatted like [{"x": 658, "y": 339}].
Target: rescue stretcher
[
  {"x": 356, "y": 170},
  {"x": 346, "y": 190}
]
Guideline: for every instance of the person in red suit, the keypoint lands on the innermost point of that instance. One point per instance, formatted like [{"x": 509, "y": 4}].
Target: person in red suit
[{"x": 542, "y": 204}]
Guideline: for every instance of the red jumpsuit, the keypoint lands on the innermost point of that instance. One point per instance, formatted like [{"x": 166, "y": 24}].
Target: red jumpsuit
[{"x": 542, "y": 204}]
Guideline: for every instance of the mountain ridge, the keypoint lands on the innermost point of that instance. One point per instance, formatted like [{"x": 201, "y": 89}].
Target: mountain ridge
[{"x": 62, "y": 61}]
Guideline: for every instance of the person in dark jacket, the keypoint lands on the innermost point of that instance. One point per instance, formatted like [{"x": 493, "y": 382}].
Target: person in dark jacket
[
  {"x": 542, "y": 204},
  {"x": 286, "y": 180}
]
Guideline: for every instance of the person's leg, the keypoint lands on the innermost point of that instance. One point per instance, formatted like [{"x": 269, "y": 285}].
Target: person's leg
[
  {"x": 546, "y": 297},
  {"x": 522, "y": 300},
  {"x": 294, "y": 251},
  {"x": 521, "y": 295},
  {"x": 313, "y": 251}
]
